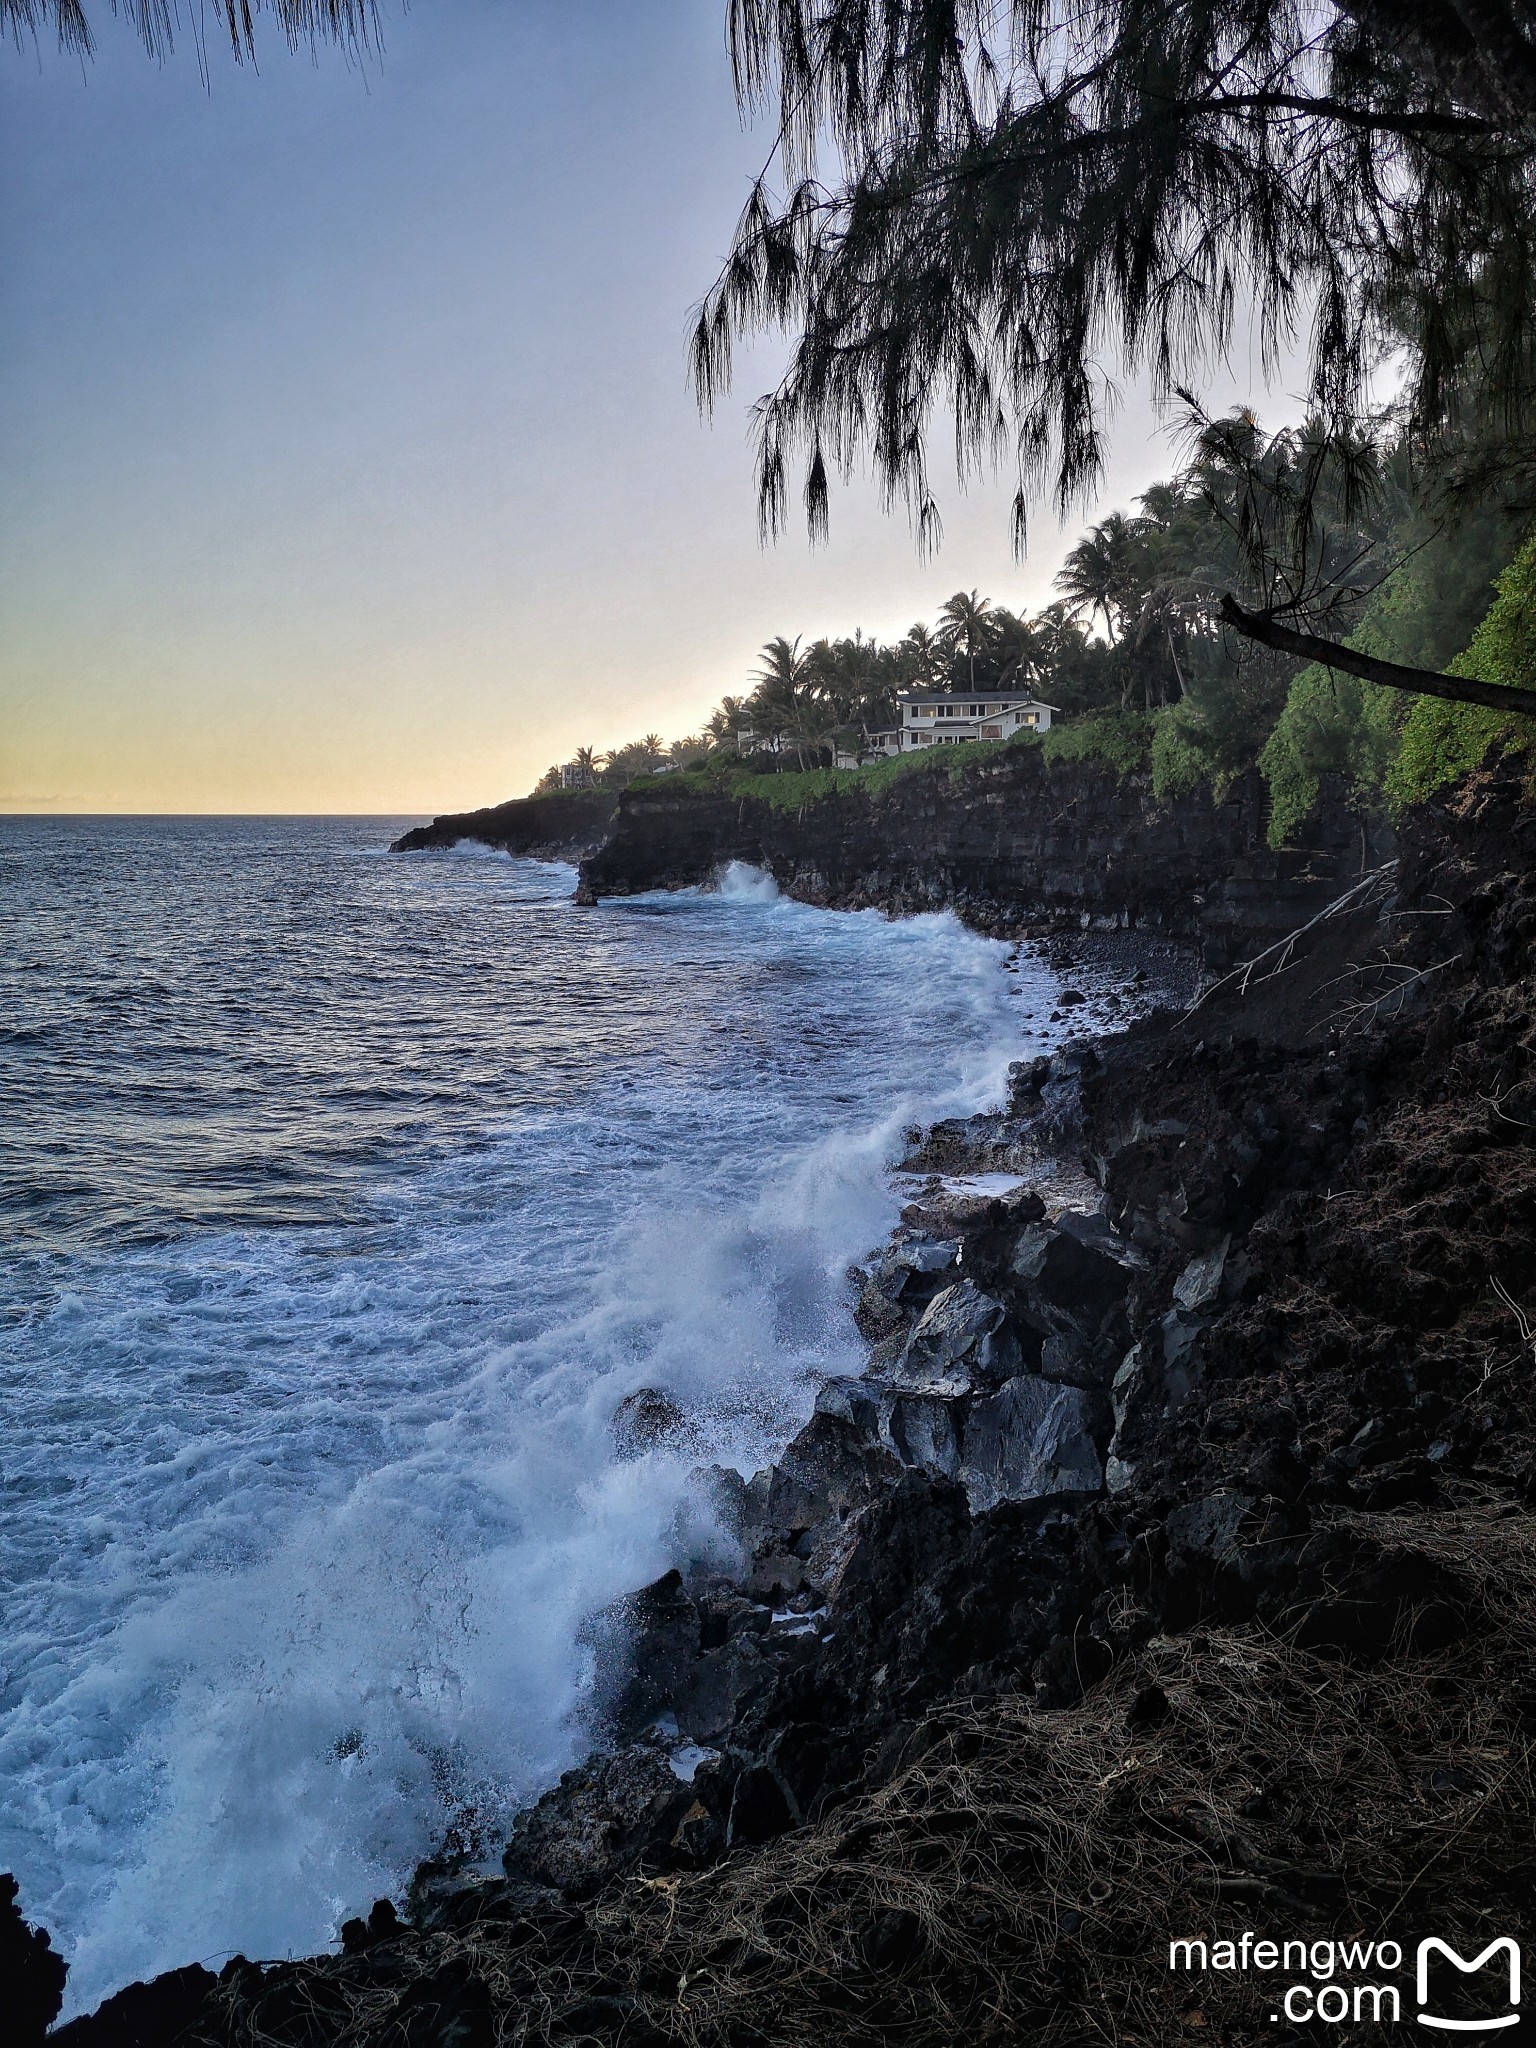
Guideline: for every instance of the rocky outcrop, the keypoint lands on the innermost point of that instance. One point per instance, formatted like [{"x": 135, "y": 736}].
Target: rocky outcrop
[
  {"x": 565, "y": 825},
  {"x": 1011, "y": 843}
]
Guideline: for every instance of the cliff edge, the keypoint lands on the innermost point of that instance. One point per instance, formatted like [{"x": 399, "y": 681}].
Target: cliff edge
[{"x": 1013, "y": 842}]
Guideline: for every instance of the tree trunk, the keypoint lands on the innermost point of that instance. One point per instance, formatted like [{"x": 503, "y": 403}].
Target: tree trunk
[{"x": 1423, "y": 682}]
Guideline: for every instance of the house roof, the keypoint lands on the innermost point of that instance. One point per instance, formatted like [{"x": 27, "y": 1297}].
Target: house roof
[{"x": 1015, "y": 700}]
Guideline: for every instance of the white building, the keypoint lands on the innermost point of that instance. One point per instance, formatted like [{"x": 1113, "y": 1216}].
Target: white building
[{"x": 937, "y": 718}]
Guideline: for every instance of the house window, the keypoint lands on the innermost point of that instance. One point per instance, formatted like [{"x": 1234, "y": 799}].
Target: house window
[{"x": 991, "y": 732}]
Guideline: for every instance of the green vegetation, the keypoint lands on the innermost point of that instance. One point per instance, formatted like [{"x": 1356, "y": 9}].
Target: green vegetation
[
  {"x": 1383, "y": 746},
  {"x": 792, "y": 789},
  {"x": 807, "y": 705},
  {"x": 1441, "y": 741},
  {"x": 1162, "y": 687},
  {"x": 1122, "y": 740}
]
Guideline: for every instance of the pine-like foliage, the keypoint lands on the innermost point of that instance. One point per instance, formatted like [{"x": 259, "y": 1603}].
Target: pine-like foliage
[
  {"x": 158, "y": 22},
  {"x": 989, "y": 209}
]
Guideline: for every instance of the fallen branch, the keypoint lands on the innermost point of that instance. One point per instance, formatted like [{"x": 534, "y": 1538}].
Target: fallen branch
[
  {"x": 1353, "y": 898},
  {"x": 1369, "y": 1007},
  {"x": 1522, "y": 1320}
]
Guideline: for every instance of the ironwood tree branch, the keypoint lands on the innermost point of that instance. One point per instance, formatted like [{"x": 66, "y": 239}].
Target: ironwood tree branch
[{"x": 1423, "y": 682}]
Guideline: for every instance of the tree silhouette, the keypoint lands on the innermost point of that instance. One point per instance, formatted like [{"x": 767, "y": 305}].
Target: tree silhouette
[
  {"x": 965, "y": 625},
  {"x": 1027, "y": 197},
  {"x": 304, "y": 23}
]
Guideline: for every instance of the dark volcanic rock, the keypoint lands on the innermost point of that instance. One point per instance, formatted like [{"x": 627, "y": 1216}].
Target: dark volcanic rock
[
  {"x": 1013, "y": 840},
  {"x": 644, "y": 1419},
  {"x": 564, "y": 825},
  {"x": 31, "y": 1974},
  {"x": 1029, "y": 1440},
  {"x": 600, "y": 1819},
  {"x": 1322, "y": 1412},
  {"x": 961, "y": 1341},
  {"x": 155, "y": 2015}
]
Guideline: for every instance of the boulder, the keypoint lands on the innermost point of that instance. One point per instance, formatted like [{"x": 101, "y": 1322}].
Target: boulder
[
  {"x": 644, "y": 1419},
  {"x": 1026, "y": 1078},
  {"x": 1030, "y": 1439},
  {"x": 924, "y": 1431},
  {"x": 720, "y": 1679},
  {"x": 657, "y": 1635},
  {"x": 892, "y": 1270},
  {"x": 1156, "y": 1377},
  {"x": 599, "y": 1821},
  {"x": 737, "y": 1503},
  {"x": 1077, "y": 1264},
  {"x": 876, "y": 1314},
  {"x": 1199, "y": 1284},
  {"x": 854, "y": 1401},
  {"x": 827, "y": 1474},
  {"x": 961, "y": 1339},
  {"x": 924, "y": 1255}
]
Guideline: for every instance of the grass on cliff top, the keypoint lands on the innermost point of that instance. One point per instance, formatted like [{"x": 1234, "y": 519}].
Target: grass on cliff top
[
  {"x": 791, "y": 790},
  {"x": 1120, "y": 741}
]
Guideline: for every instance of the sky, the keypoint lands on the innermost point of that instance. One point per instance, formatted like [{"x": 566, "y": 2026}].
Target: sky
[{"x": 350, "y": 459}]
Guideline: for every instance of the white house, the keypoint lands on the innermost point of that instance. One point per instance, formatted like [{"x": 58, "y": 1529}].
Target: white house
[{"x": 937, "y": 718}]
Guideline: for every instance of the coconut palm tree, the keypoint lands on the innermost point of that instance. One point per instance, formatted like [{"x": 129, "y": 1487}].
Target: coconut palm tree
[
  {"x": 965, "y": 627},
  {"x": 921, "y": 655},
  {"x": 780, "y": 681},
  {"x": 1099, "y": 575},
  {"x": 725, "y": 725}
]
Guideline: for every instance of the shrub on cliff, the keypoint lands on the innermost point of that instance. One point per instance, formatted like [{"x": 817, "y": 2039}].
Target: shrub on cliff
[
  {"x": 1441, "y": 741},
  {"x": 1121, "y": 740},
  {"x": 1424, "y": 613}
]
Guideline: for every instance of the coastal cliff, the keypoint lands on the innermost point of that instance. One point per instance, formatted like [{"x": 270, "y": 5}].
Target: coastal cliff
[
  {"x": 1168, "y": 1572},
  {"x": 564, "y": 825},
  {"x": 1012, "y": 842}
]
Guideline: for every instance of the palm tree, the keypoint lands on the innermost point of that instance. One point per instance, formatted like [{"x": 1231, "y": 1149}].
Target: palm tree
[
  {"x": 965, "y": 625},
  {"x": 1021, "y": 649},
  {"x": 921, "y": 655},
  {"x": 1098, "y": 576},
  {"x": 780, "y": 682},
  {"x": 728, "y": 722}
]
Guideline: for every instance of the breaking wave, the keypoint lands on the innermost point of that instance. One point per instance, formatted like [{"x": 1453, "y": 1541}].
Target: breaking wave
[{"x": 373, "y": 1187}]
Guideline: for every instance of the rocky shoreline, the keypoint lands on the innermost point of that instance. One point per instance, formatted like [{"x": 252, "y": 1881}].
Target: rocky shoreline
[{"x": 1169, "y": 1570}]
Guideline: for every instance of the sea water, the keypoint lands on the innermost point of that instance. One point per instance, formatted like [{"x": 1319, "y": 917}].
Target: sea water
[{"x": 344, "y": 1195}]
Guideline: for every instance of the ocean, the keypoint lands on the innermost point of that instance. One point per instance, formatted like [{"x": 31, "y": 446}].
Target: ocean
[{"x": 343, "y": 1196}]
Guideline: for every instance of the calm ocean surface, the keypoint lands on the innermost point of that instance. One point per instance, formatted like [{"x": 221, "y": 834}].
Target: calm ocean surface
[{"x": 342, "y": 1197}]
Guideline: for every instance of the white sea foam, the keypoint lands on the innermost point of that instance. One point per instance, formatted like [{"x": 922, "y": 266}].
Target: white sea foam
[
  {"x": 307, "y": 1522},
  {"x": 743, "y": 884}
]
